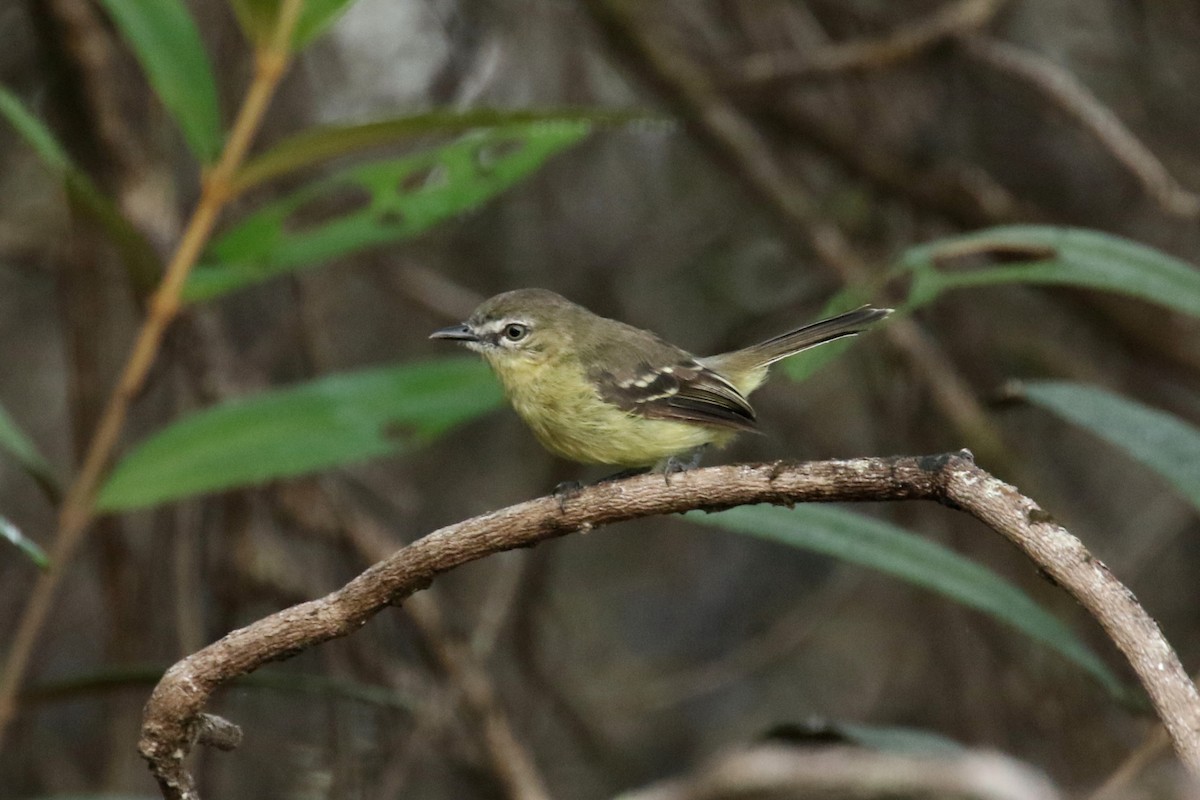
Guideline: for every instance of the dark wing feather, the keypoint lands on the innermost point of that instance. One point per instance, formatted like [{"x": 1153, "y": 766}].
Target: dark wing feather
[{"x": 686, "y": 391}]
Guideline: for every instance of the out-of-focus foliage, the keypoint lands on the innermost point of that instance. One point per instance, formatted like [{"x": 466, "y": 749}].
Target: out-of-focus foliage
[
  {"x": 873, "y": 543},
  {"x": 136, "y": 252},
  {"x": 169, "y": 48},
  {"x": 320, "y": 144},
  {"x": 18, "y": 445},
  {"x": 1052, "y": 256},
  {"x": 258, "y": 18},
  {"x": 301, "y": 429},
  {"x": 377, "y": 203},
  {"x": 1029, "y": 254},
  {"x": 1161, "y": 441}
]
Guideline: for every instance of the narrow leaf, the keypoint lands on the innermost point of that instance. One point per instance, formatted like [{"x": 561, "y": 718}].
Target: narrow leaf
[
  {"x": 136, "y": 252},
  {"x": 31, "y": 129},
  {"x": 317, "y": 145},
  {"x": 1161, "y": 441},
  {"x": 168, "y": 46},
  {"x": 1036, "y": 254},
  {"x": 885, "y": 547},
  {"x": 20, "y": 447},
  {"x": 374, "y": 204},
  {"x": 258, "y": 19},
  {"x": 26, "y": 545},
  {"x": 302, "y": 429}
]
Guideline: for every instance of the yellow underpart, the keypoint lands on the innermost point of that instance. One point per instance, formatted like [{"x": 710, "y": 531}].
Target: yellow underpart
[{"x": 570, "y": 419}]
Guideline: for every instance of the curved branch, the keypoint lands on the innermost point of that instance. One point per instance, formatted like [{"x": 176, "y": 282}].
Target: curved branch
[{"x": 174, "y": 711}]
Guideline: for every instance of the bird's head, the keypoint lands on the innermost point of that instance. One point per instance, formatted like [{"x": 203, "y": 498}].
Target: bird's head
[{"x": 521, "y": 326}]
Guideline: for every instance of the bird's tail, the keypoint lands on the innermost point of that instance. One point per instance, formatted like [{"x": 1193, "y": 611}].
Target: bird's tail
[{"x": 756, "y": 358}]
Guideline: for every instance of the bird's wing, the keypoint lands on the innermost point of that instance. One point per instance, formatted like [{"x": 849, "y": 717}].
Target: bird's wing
[{"x": 683, "y": 390}]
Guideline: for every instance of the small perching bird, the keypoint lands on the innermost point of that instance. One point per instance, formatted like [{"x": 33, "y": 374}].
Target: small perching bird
[{"x": 599, "y": 391}]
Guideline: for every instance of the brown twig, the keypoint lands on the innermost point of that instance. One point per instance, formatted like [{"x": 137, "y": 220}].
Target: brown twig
[
  {"x": 836, "y": 773},
  {"x": 905, "y": 42},
  {"x": 77, "y": 511},
  {"x": 1066, "y": 92},
  {"x": 954, "y": 480}
]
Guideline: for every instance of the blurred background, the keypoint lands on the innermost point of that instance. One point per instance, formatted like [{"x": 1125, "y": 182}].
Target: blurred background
[{"x": 784, "y": 151}]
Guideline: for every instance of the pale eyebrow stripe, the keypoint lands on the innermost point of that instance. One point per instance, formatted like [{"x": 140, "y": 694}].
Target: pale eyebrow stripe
[{"x": 497, "y": 325}]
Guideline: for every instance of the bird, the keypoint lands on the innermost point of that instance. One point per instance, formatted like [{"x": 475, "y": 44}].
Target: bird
[{"x": 599, "y": 391}]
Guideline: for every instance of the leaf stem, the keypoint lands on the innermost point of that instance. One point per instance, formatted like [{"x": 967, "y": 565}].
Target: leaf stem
[{"x": 78, "y": 509}]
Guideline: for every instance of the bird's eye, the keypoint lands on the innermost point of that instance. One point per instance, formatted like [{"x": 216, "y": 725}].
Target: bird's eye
[{"x": 515, "y": 331}]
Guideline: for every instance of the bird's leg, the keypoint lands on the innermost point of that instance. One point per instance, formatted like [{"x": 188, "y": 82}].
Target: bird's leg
[{"x": 682, "y": 463}]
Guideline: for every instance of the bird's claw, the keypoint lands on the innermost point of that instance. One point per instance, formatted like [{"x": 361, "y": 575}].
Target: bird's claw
[{"x": 567, "y": 490}]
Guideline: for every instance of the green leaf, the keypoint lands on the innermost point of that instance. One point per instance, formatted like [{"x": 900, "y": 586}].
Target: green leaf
[
  {"x": 138, "y": 255},
  {"x": 1051, "y": 256},
  {"x": 26, "y": 545},
  {"x": 302, "y": 429},
  {"x": 317, "y": 145},
  {"x": 23, "y": 450},
  {"x": 374, "y": 204},
  {"x": 885, "y": 547},
  {"x": 31, "y": 129},
  {"x": 1161, "y": 441},
  {"x": 257, "y": 18},
  {"x": 168, "y": 46}
]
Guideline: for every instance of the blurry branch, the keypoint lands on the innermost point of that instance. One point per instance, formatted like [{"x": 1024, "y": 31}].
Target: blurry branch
[
  {"x": 718, "y": 124},
  {"x": 787, "y": 634},
  {"x": 140, "y": 193},
  {"x": 1118, "y": 783},
  {"x": 1072, "y": 97},
  {"x": 843, "y": 773},
  {"x": 464, "y": 670},
  {"x": 511, "y": 762},
  {"x": 907, "y": 41},
  {"x": 177, "y": 704},
  {"x": 77, "y": 511},
  {"x": 964, "y": 193},
  {"x": 1152, "y": 748}
]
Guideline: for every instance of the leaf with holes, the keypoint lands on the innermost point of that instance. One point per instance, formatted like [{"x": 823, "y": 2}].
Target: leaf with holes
[
  {"x": 1161, "y": 441},
  {"x": 885, "y": 547},
  {"x": 375, "y": 204},
  {"x": 320, "y": 144},
  {"x": 168, "y": 46},
  {"x": 1038, "y": 254},
  {"x": 301, "y": 429}
]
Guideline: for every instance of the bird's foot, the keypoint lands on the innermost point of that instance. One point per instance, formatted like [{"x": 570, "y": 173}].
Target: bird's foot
[
  {"x": 565, "y": 491},
  {"x": 682, "y": 463}
]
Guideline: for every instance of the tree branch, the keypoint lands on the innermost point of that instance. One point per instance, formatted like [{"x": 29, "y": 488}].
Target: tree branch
[{"x": 175, "y": 709}]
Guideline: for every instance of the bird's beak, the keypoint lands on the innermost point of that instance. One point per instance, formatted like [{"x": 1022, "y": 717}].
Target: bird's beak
[{"x": 460, "y": 333}]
